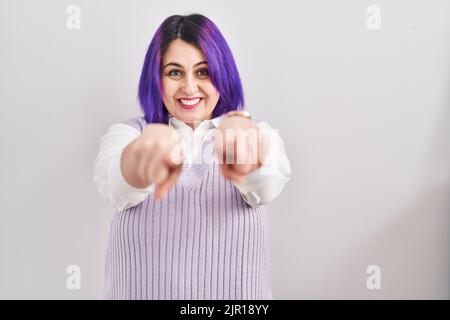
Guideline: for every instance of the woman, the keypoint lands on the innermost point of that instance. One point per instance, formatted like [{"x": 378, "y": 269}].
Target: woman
[{"x": 190, "y": 220}]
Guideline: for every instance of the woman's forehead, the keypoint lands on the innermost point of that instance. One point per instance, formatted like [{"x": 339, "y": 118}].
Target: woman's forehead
[{"x": 183, "y": 53}]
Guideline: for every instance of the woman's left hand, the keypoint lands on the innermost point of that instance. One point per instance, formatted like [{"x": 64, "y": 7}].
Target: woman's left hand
[{"x": 240, "y": 148}]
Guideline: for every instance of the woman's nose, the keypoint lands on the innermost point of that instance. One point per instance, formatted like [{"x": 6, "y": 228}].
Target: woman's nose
[{"x": 190, "y": 85}]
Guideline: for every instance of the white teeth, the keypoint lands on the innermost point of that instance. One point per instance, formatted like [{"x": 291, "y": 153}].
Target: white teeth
[{"x": 189, "y": 102}]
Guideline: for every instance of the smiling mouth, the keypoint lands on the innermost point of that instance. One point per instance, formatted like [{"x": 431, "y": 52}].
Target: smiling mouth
[{"x": 189, "y": 103}]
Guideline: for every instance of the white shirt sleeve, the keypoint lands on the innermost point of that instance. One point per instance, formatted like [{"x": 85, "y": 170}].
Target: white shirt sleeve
[
  {"x": 266, "y": 183},
  {"x": 108, "y": 177}
]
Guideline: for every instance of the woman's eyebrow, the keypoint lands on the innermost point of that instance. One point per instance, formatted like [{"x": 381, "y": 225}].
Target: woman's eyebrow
[{"x": 180, "y": 66}]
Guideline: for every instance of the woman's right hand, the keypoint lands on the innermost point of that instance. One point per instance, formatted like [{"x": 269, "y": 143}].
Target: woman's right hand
[{"x": 154, "y": 157}]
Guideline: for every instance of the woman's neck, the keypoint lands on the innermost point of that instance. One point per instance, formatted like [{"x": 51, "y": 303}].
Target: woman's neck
[{"x": 194, "y": 124}]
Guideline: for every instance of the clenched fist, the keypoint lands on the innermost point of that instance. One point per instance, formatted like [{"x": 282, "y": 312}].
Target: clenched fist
[
  {"x": 240, "y": 147},
  {"x": 154, "y": 157}
]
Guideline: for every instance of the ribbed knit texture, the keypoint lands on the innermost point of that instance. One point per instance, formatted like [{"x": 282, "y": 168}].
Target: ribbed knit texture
[{"x": 201, "y": 241}]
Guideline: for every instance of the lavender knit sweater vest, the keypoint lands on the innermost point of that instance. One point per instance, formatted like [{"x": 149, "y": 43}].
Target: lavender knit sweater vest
[{"x": 202, "y": 241}]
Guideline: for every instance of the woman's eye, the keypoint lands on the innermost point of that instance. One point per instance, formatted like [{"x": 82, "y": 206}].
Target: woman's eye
[
  {"x": 203, "y": 73},
  {"x": 174, "y": 73}
]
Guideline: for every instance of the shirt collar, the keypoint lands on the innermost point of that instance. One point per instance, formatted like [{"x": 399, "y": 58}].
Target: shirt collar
[{"x": 207, "y": 123}]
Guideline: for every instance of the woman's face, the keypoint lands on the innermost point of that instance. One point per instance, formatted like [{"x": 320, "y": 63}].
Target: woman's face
[{"x": 189, "y": 94}]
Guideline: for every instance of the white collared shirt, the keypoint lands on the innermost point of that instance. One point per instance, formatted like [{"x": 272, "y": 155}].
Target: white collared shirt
[{"x": 259, "y": 188}]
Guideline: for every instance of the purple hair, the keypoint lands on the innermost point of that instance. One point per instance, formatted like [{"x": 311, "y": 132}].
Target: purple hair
[{"x": 201, "y": 32}]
